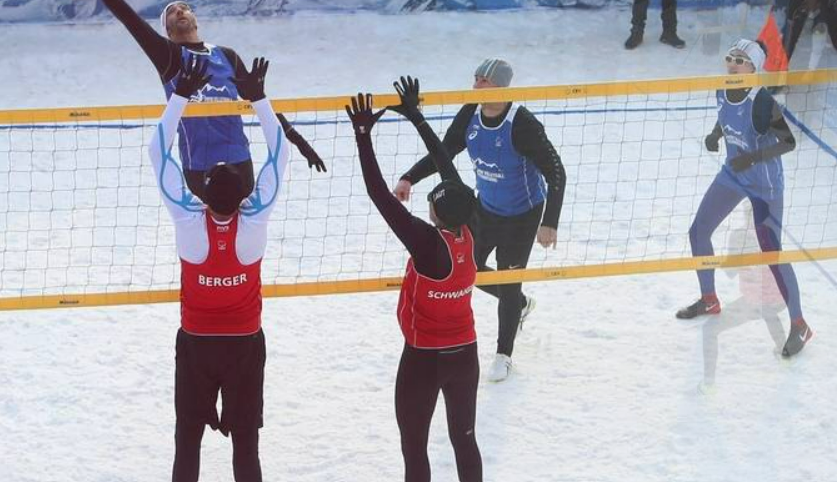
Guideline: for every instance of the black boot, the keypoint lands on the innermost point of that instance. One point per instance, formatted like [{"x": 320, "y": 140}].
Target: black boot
[
  {"x": 669, "y": 37},
  {"x": 634, "y": 40}
]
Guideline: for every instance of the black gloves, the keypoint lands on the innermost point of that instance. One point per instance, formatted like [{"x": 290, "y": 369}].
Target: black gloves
[
  {"x": 712, "y": 143},
  {"x": 302, "y": 145},
  {"x": 192, "y": 77},
  {"x": 744, "y": 161},
  {"x": 361, "y": 114},
  {"x": 251, "y": 86},
  {"x": 408, "y": 91}
]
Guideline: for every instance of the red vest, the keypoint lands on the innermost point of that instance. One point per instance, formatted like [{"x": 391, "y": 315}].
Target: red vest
[
  {"x": 437, "y": 313},
  {"x": 221, "y": 296}
]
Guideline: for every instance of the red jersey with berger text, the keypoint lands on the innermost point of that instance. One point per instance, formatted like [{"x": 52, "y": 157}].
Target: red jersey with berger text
[
  {"x": 437, "y": 313},
  {"x": 221, "y": 296}
]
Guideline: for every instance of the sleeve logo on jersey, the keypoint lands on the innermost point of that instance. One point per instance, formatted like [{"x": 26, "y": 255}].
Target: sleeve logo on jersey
[
  {"x": 450, "y": 295},
  {"x": 225, "y": 281}
]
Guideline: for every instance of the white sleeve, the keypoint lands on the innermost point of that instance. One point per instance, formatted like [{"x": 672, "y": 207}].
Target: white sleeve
[
  {"x": 177, "y": 198},
  {"x": 186, "y": 210},
  {"x": 255, "y": 211}
]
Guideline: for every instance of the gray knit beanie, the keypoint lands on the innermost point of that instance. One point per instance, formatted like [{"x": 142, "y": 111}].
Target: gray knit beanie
[{"x": 497, "y": 71}]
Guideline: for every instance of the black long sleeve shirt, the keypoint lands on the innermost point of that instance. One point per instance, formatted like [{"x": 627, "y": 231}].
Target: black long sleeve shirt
[
  {"x": 423, "y": 241},
  {"x": 163, "y": 53},
  {"x": 167, "y": 59},
  {"x": 528, "y": 138}
]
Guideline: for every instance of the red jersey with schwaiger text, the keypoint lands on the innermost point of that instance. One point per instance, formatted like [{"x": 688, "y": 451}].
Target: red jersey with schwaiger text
[
  {"x": 437, "y": 313},
  {"x": 221, "y": 296}
]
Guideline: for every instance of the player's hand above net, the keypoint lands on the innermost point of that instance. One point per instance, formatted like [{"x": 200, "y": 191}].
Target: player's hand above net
[
  {"x": 251, "y": 86},
  {"x": 192, "y": 77},
  {"x": 361, "y": 114},
  {"x": 408, "y": 92}
]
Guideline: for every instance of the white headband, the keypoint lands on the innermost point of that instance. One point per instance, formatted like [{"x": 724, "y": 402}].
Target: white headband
[
  {"x": 165, "y": 11},
  {"x": 753, "y": 51}
]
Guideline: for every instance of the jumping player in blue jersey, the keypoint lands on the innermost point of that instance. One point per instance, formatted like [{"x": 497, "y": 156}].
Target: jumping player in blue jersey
[
  {"x": 520, "y": 180},
  {"x": 756, "y": 135},
  {"x": 204, "y": 141}
]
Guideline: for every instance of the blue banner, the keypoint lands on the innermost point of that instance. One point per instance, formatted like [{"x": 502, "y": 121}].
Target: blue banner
[{"x": 12, "y": 11}]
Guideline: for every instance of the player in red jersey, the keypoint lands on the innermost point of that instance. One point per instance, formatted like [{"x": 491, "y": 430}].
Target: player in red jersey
[
  {"x": 220, "y": 344},
  {"x": 434, "y": 309}
]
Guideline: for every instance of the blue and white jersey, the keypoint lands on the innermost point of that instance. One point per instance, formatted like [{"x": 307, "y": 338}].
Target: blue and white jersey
[
  {"x": 736, "y": 119},
  {"x": 206, "y": 141},
  {"x": 508, "y": 183}
]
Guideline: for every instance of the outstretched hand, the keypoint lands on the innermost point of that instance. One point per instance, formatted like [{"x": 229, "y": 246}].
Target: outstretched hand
[
  {"x": 408, "y": 92},
  {"x": 192, "y": 77},
  {"x": 251, "y": 85},
  {"x": 361, "y": 113}
]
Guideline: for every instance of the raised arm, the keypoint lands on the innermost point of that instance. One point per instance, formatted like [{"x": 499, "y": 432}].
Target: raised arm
[
  {"x": 178, "y": 200},
  {"x": 454, "y": 143},
  {"x": 258, "y": 206},
  {"x": 408, "y": 92},
  {"x": 302, "y": 145},
  {"x": 420, "y": 238},
  {"x": 164, "y": 54}
]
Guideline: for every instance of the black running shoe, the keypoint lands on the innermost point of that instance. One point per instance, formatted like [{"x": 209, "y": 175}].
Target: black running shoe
[
  {"x": 634, "y": 40},
  {"x": 671, "y": 38},
  {"x": 800, "y": 334},
  {"x": 699, "y": 308}
]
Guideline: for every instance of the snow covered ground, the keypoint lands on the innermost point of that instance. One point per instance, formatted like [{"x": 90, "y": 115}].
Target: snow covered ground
[{"x": 604, "y": 387}]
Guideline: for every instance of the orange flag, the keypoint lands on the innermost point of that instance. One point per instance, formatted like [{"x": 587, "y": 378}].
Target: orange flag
[{"x": 777, "y": 59}]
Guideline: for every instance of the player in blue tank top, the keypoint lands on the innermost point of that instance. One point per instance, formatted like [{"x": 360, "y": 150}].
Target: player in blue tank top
[
  {"x": 756, "y": 135},
  {"x": 521, "y": 182},
  {"x": 207, "y": 141},
  {"x": 204, "y": 141}
]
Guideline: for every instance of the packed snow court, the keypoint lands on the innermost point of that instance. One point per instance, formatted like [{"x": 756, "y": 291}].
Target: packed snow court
[{"x": 602, "y": 388}]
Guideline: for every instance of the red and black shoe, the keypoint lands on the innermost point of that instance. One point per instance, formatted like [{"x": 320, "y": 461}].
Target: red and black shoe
[
  {"x": 800, "y": 334},
  {"x": 707, "y": 305}
]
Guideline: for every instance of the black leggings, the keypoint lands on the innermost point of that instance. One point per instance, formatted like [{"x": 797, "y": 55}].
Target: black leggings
[
  {"x": 513, "y": 238},
  {"x": 421, "y": 374},
  {"x": 187, "y": 458}
]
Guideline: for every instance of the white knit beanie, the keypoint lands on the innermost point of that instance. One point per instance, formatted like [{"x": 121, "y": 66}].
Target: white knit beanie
[
  {"x": 165, "y": 11},
  {"x": 753, "y": 50}
]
